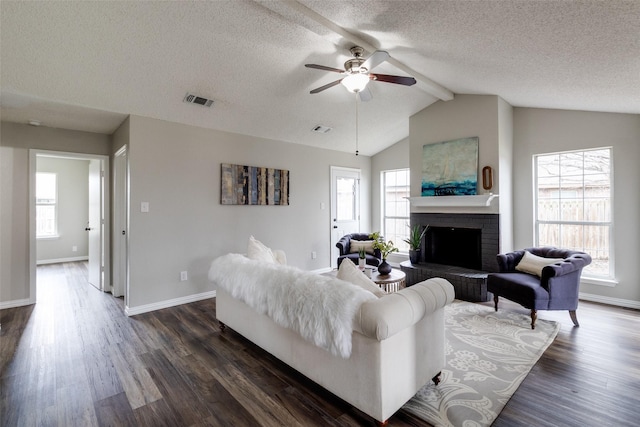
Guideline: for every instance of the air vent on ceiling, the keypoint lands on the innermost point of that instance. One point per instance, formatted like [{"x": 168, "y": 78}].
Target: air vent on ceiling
[
  {"x": 195, "y": 99},
  {"x": 321, "y": 129}
]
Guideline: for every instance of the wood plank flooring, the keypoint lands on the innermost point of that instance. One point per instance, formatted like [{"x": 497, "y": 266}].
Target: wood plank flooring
[{"x": 75, "y": 359}]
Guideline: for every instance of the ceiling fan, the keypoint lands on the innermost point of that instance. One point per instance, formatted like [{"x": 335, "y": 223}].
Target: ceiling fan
[{"x": 357, "y": 73}]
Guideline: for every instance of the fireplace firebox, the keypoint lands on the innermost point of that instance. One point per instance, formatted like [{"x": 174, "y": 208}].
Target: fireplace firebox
[{"x": 455, "y": 246}]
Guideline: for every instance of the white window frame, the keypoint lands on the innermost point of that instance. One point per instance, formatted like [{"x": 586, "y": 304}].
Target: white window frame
[
  {"x": 49, "y": 202},
  {"x": 588, "y": 276},
  {"x": 383, "y": 214}
]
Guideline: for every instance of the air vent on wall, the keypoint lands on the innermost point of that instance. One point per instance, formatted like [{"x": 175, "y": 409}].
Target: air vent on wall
[
  {"x": 321, "y": 129},
  {"x": 195, "y": 99}
]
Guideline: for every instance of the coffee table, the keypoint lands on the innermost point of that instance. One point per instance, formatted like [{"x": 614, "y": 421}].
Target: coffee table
[{"x": 391, "y": 282}]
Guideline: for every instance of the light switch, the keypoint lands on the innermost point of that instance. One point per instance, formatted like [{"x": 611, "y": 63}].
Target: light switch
[{"x": 144, "y": 207}]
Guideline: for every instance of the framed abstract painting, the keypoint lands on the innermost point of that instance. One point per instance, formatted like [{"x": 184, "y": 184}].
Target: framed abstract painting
[
  {"x": 251, "y": 185},
  {"x": 450, "y": 168}
]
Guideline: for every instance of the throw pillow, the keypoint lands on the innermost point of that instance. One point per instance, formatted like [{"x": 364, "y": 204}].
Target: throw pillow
[
  {"x": 352, "y": 274},
  {"x": 355, "y": 245},
  {"x": 533, "y": 264},
  {"x": 280, "y": 256},
  {"x": 257, "y": 251}
]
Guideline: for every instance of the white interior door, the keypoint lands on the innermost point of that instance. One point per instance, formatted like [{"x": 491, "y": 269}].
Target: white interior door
[
  {"x": 120, "y": 223},
  {"x": 95, "y": 224},
  {"x": 345, "y": 206}
]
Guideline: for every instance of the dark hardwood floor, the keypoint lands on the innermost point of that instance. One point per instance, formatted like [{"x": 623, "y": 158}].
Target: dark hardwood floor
[{"x": 74, "y": 358}]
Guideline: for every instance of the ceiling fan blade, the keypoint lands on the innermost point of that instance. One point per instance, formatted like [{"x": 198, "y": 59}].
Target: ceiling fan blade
[
  {"x": 327, "y": 86},
  {"x": 401, "y": 80},
  {"x": 322, "y": 67},
  {"x": 376, "y": 58},
  {"x": 365, "y": 95}
]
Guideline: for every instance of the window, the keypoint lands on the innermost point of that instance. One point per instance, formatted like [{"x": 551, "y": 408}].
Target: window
[
  {"x": 346, "y": 200},
  {"x": 395, "y": 207},
  {"x": 46, "y": 204},
  {"x": 573, "y": 205}
]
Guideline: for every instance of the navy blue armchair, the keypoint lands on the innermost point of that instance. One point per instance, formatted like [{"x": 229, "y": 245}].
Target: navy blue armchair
[
  {"x": 344, "y": 245},
  {"x": 555, "y": 288}
]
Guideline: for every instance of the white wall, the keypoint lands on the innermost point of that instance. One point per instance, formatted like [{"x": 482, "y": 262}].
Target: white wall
[
  {"x": 464, "y": 116},
  {"x": 16, "y": 141},
  {"x": 73, "y": 211},
  {"x": 503, "y": 174},
  {"x": 490, "y": 119},
  {"x": 539, "y": 131},
  {"x": 176, "y": 169},
  {"x": 394, "y": 157}
]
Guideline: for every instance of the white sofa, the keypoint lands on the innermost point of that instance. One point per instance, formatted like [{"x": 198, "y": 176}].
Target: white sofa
[{"x": 397, "y": 342}]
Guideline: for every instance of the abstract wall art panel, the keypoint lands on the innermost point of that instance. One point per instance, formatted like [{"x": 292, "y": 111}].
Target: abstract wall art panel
[
  {"x": 450, "y": 168},
  {"x": 250, "y": 185}
]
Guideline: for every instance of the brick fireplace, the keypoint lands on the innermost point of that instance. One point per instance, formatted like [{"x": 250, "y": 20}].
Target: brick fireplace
[
  {"x": 488, "y": 226},
  {"x": 461, "y": 248}
]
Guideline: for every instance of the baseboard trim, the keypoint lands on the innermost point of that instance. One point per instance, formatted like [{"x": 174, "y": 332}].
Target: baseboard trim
[
  {"x": 16, "y": 303},
  {"x": 132, "y": 311},
  {"x": 610, "y": 301},
  {"x": 59, "y": 260}
]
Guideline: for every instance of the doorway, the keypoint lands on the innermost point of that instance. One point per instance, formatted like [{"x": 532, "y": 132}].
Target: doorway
[
  {"x": 345, "y": 206},
  {"x": 93, "y": 227}
]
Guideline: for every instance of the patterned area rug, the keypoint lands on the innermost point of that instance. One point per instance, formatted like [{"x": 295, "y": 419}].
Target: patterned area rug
[{"x": 488, "y": 355}]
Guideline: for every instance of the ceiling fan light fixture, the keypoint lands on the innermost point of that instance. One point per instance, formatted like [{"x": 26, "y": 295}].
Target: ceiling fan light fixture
[{"x": 355, "y": 82}]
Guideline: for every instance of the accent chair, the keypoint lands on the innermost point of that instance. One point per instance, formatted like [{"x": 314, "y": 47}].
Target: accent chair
[
  {"x": 349, "y": 250},
  {"x": 544, "y": 278}
]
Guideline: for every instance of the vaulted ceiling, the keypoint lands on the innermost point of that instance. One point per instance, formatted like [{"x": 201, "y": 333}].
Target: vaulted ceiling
[{"x": 87, "y": 65}]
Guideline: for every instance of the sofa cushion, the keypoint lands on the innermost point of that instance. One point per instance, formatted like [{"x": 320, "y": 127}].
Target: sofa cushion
[
  {"x": 352, "y": 274},
  {"x": 257, "y": 251},
  {"x": 533, "y": 264},
  {"x": 355, "y": 245}
]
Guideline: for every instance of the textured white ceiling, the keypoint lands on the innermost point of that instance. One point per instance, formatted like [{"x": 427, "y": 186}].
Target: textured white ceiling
[{"x": 87, "y": 65}]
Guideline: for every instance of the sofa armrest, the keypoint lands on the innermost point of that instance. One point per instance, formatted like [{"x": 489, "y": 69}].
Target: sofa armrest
[
  {"x": 569, "y": 265},
  {"x": 507, "y": 262},
  {"x": 382, "y": 318},
  {"x": 343, "y": 245}
]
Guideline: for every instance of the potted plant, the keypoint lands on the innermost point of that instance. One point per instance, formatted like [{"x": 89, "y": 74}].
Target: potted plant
[
  {"x": 415, "y": 241},
  {"x": 385, "y": 249},
  {"x": 362, "y": 258}
]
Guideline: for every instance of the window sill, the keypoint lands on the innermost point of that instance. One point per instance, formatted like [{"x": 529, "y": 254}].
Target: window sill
[
  {"x": 54, "y": 237},
  {"x": 611, "y": 283}
]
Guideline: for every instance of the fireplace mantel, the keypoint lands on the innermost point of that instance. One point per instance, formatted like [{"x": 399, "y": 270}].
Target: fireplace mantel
[{"x": 453, "y": 201}]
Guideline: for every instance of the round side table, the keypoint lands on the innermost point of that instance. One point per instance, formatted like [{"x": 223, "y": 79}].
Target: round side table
[{"x": 391, "y": 282}]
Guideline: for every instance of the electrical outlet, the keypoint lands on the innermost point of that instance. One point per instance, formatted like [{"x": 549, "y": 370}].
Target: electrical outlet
[
  {"x": 183, "y": 276},
  {"x": 314, "y": 255},
  {"x": 74, "y": 249}
]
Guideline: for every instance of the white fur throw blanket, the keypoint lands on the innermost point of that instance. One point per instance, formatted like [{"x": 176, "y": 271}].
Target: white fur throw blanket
[{"x": 320, "y": 308}]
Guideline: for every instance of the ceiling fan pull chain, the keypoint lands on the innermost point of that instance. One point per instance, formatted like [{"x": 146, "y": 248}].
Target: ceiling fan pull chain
[{"x": 356, "y": 94}]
